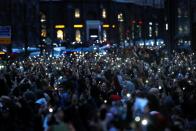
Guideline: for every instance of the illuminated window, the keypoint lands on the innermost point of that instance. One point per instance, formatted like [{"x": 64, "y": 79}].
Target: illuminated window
[
  {"x": 156, "y": 33},
  {"x": 104, "y": 35},
  {"x": 179, "y": 12},
  {"x": 156, "y": 29},
  {"x": 59, "y": 26},
  {"x": 77, "y": 13},
  {"x": 106, "y": 26},
  {"x": 150, "y": 31},
  {"x": 180, "y": 29},
  {"x": 120, "y": 17},
  {"x": 60, "y": 34},
  {"x": 43, "y": 18},
  {"x": 78, "y": 26},
  {"x": 166, "y": 26},
  {"x": 104, "y": 13},
  {"x": 78, "y": 36},
  {"x": 133, "y": 32},
  {"x": 43, "y": 33}
]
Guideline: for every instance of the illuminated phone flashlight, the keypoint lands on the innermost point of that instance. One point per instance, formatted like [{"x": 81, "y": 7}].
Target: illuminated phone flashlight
[
  {"x": 128, "y": 95},
  {"x": 137, "y": 119},
  {"x": 105, "y": 101},
  {"x": 118, "y": 66},
  {"x": 1, "y": 67},
  {"x": 104, "y": 53},
  {"x": 160, "y": 87},
  {"x": 50, "y": 110},
  {"x": 166, "y": 58},
  {"x": 147, "y": 81},
  {"x": 189, "y": 81},
  {"x": 183, "y": 88},
  {"x": 188, "y": 68},
  {"x": 144, "y": 122}
]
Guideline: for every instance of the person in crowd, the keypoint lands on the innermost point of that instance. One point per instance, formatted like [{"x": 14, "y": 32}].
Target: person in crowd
[{"x": 133, "y": 88}]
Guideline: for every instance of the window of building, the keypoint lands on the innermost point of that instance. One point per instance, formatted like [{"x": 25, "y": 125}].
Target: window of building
[
  {"x": 43, "y": 18},
  {"x": 186, "y": 29},
  {"x": 77, "y": 13},
  {"x": 104, "y": 15},
  {"x": 186, "y": 14},
  {"x": 166, "y": 26},
  {"x": 43, "y": 32},
  {"x": 180, "y": 29},
  {"x": 179, "y": 12},
  {"x": 78, "y": 36},
  {"x": 133, "y": 31},
  {"x": 120, "y": 17},
  {"x": 139, "y": 31},
  {"x": 60, "y": 34},
  {"x": 156, "y": 29},
  {"x": 150, "y": 29},
  {"x": 104, "y": 35}
]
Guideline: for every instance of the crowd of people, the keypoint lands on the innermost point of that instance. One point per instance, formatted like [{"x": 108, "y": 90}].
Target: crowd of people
[{"x": 132, "y": 89}]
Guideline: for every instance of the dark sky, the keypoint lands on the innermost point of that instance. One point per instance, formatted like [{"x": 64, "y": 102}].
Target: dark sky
[{"x": 156, "y": 3}]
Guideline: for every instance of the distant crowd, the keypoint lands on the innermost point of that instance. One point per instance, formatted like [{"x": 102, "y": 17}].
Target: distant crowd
[{"x": 132, "y": 89}]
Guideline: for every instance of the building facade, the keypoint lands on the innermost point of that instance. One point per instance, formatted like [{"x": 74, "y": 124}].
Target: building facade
[
  {"x": 65, "y": 21},
  {"x": 178, "y": 23},
  {"x": 88, "y": 20}
]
